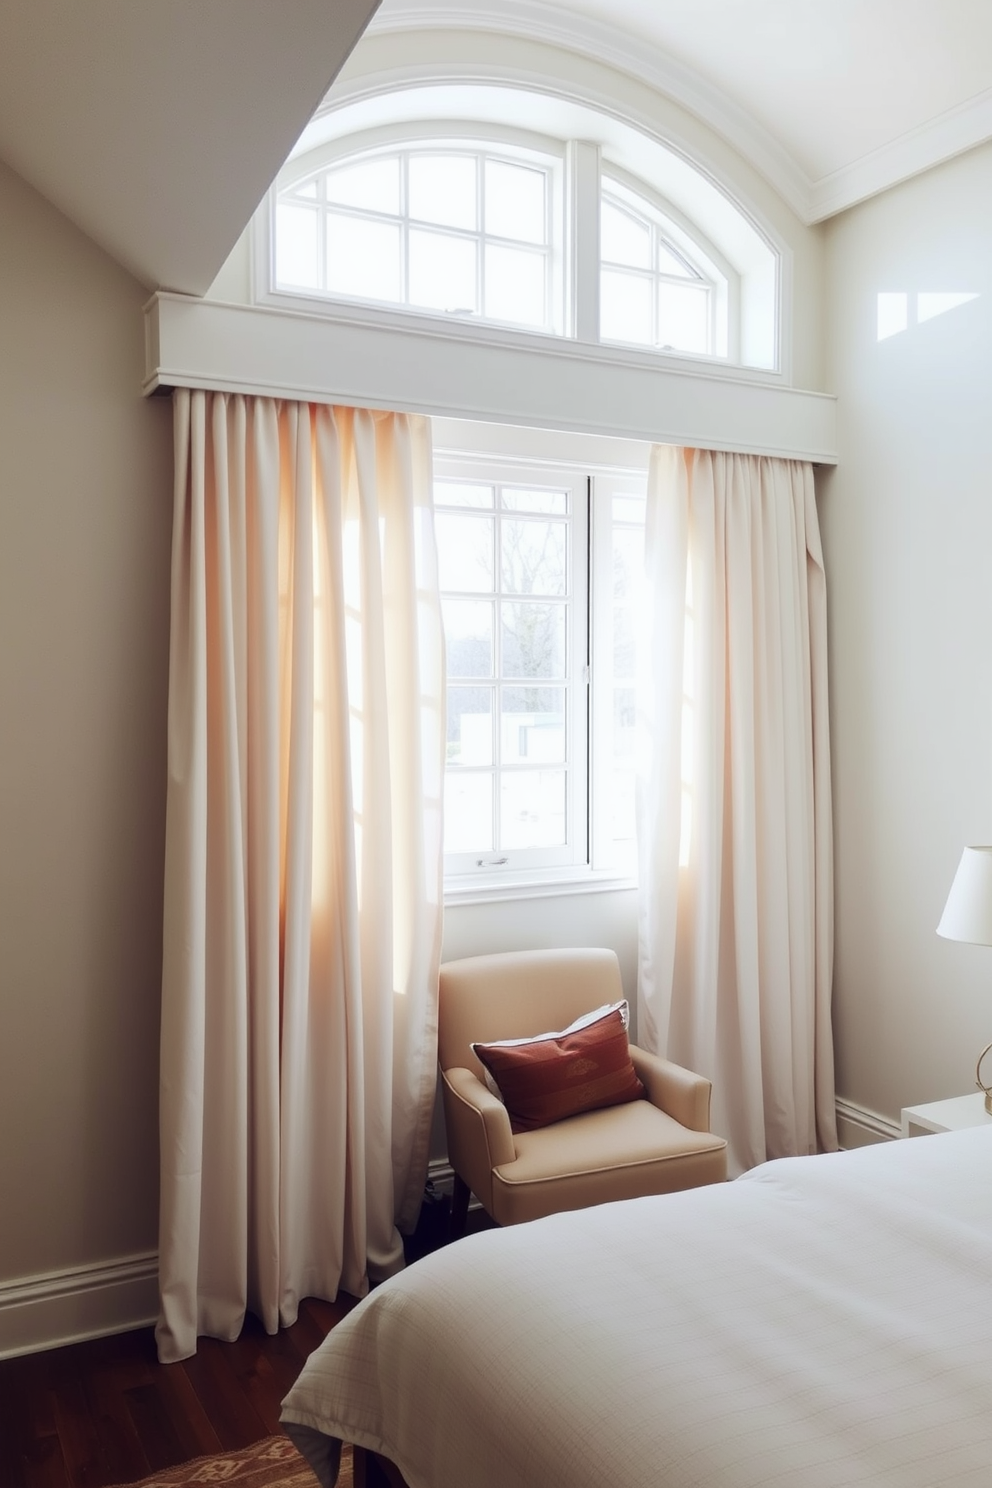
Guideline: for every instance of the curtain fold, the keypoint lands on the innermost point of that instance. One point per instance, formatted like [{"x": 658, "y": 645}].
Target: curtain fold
[
  {"x": 734, "y": 816},
  {"x": 303, "y": 891}
]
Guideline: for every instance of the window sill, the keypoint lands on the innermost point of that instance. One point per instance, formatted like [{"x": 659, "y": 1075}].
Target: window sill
[
  {"x": 554, "y": 884},
  {"x": 404, "y": 318}
]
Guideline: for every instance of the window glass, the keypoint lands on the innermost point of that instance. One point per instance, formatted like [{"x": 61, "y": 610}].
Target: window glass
[
  {"x": 625, "y": 307},
  {"x": 515, "y": 285},
  {"x": 532, "y": 809},
  {"x": 516, "y": 202},
  {"x": 468, "y": 813},
  {"x": 534, "y": 557},
  {"x": 465, "y": 552},
  {"x": 363, "y": 257},
  {"x": 625, "y": 239},
  {"x": 443, "y": 272},
  {"x": 532, "y": 639},
  {"x": 296, "y": 244},
  {"x": 443, "y": 190},
  {"x": 372, "y": 185},
  {"x": 468, "y": 628},
  {"x": 683, "y": 317},
  {"x": 470, "y": 725},
  {"x": 533, "y": 725}
]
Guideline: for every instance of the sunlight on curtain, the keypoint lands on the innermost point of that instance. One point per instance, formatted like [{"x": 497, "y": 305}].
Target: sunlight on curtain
[
  {"x": 303, "y": 858},
  {"x": 734, "y": 823}
]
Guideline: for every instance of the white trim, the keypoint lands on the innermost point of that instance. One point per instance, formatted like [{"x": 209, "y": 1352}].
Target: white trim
[
  {"x": 463, "y": 889},
  {"x": 940, "y": 139},
  {"x": 60, "y": 1307},
  {"x": 859, "y": 1126},
  {"x": 412, "y": 364},
  {"x": 581, "y": 33},
  {"x": 813, "y": 200},
  {"x": 441, "y": 1174}
]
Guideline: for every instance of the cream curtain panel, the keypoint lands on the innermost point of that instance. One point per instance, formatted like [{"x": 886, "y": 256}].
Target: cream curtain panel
[
  {"x": 736, "y": 899},
  {"x": 303, "y": 858}
]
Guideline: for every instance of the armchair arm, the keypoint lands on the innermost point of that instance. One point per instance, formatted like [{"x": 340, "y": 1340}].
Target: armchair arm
[
  {"x": 676, "y": 1091},
  {"x": 478, "y": 1130}
]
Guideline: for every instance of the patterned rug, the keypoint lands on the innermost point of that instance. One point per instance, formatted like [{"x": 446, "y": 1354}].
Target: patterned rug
[{"x": 271, "y": 1463}]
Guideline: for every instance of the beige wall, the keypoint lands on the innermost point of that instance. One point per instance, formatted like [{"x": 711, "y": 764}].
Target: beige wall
[
  {"x": 85, "y": 517},
  {"x": 907, "y": 528}
]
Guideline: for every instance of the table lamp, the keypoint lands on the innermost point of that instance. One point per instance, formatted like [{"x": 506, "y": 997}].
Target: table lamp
[{"x": 968, "y": 916}]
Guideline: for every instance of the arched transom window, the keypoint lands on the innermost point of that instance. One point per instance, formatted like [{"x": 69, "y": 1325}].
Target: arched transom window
[
  {"x": 457, "y": 230},
  {"x": 613, "y": 240}
]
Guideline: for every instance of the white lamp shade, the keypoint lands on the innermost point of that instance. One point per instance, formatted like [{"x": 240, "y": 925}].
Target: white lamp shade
[{"x": 968, "y": 911}]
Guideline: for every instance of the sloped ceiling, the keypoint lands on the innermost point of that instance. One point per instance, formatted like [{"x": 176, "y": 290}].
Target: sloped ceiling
[
  {"x": 157, "y": 125},
  {"x": 833, "y": 100}
]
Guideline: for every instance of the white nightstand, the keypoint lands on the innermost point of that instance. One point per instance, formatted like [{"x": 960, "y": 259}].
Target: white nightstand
[{"x": 945, "y": 1115}]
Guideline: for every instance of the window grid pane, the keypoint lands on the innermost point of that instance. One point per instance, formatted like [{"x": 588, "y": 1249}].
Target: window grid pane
[
  {"x": 667, "y": 306},
  {"x": 509, "y": 688},
  {"x": 460, "y": 232}
]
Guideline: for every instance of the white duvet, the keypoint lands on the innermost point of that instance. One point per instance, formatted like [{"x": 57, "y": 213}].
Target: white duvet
[{"x": 820, "y": 1321}]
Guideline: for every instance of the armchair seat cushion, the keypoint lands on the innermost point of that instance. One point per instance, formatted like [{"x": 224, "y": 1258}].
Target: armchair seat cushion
[{"x": 621, "y": 1152}]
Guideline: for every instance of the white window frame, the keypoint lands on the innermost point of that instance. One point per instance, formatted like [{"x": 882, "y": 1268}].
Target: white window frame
[
  {"x": 474, "y": 869},
  {"x": 577, "y": 173},
  {"x": 673, "y": 230},
  {"x": 469, "y": 451},
  {"x": 516, "y": 147}
]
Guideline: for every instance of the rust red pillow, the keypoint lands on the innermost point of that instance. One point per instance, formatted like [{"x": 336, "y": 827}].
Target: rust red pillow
[{"x": 545, "y": 1079}]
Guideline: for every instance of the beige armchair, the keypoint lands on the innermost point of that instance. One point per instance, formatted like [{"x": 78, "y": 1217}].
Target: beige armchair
[{"x": 648, "y": 1146}]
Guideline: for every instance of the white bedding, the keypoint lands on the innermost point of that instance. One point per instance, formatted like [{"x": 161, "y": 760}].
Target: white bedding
[{"x": 820, "y": 1321}]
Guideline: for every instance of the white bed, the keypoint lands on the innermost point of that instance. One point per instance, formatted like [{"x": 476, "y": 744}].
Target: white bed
[{"x": 820, "y": 1321}]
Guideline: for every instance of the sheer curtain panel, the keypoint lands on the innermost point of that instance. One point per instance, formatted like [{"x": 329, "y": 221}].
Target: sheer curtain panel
[
  {"x": 736, "y": 897},
  {"x": 303, "y": 858}
]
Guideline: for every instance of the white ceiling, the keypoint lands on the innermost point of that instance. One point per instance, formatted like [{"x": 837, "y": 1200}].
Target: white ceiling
[
  {"x": 157, "y": 125},
  {"x": 832, "y": 99}
]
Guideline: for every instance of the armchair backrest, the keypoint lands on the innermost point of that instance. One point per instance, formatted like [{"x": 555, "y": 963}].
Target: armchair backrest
[{"x": 517, "y": 994}]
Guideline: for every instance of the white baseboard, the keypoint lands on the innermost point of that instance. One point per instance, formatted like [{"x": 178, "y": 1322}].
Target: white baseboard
[
  {"x": 857, "y": 1126},
  {"x": 44, "y": 1312},
  {"x": 60, "y": 1307}
]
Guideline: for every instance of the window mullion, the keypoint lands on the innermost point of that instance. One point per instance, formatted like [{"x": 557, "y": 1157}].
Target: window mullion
[{"x": 583, "y": 239}]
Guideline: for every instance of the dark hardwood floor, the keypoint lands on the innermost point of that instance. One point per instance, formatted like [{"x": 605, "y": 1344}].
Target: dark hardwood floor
[{"x": 106, "y": 1412}]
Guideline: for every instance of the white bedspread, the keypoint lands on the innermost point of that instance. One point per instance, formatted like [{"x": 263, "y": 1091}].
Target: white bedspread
[{"x": 821, "y": 1321}]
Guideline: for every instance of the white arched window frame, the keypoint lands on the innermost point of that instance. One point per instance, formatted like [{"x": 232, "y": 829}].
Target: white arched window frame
[
  {"x": 578, "y": 178},
  {"x": 480, "y": 244},
  {"x": 666, "y": 256}
]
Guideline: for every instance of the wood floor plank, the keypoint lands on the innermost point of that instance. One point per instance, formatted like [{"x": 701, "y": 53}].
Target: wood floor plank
[
  {"x": 154, "y": 1428},
  {"x": 104, "y": 1387},
  {"x": 105, "y": 1411},
  {"x": 234, "y": 1418},
  {"x": 187, "y": 1412},
  {"x": 86, "y": 1462}
]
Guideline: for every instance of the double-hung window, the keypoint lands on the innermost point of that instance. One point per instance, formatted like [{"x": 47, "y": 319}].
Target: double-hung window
[
  {"x": 540, "y": 571},
  {"x": 512, "y": 551}
]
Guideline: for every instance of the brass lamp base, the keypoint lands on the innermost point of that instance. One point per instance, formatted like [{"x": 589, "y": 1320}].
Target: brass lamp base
[{"x": 980, "y": 1082}]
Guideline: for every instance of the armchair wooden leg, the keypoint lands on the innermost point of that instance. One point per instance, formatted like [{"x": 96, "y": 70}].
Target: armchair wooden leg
[{"x": 460, "y": 1195}]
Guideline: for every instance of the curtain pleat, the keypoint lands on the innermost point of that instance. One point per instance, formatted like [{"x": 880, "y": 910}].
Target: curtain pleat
[
  {"x": 303, "y": 873},
  {"x": 734, "y": 797}
]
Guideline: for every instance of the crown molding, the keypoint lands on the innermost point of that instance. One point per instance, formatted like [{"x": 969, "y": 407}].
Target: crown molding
[
  {"x": 536, "y": 21},
  {"x": 940, "y": 139},
  {"x": 812, "y": 201}
]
